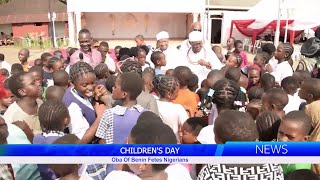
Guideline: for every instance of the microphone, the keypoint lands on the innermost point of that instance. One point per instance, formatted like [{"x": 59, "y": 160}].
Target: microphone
[{"x": 81, "y": 56}]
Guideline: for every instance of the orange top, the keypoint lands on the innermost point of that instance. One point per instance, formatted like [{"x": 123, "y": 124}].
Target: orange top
[{"x": 188, "y": 100}]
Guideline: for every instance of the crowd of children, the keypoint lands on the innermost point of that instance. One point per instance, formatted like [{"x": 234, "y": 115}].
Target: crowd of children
[{"x": 78, "y": 100}]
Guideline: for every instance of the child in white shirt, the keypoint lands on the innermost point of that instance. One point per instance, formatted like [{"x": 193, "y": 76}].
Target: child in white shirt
[{"x": 290, "y": 85}]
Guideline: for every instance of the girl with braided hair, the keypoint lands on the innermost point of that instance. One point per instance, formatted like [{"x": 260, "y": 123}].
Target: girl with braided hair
[
  {"x": 283, "y": 55},
  {"x": 81, "y": 101},
  {"x": 174, "y": 115},
  {"x": 54, "y": 118},
  {"x": 226, "y": 95}
]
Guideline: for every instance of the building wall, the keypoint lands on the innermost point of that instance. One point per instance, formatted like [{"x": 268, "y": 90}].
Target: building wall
[
  {"x": 6, "y": 28},
  {"x": 128, "y": 25},
  {"x": 20, "y": 30}
]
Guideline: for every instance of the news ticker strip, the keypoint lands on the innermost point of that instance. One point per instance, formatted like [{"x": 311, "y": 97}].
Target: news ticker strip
[
  {"x": 159, "y": 160},
  {"x": 228, "y": 149}
]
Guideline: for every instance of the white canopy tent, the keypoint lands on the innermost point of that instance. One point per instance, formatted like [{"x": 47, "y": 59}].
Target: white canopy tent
[
  {"x": 76, "y": 7},
  {"x": 299, "y": 14}
]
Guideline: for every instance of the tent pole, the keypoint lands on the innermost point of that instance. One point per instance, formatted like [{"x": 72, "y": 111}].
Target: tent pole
[
  {"x": 277, "y": 34},
  {"x": 231, "y": 29},
  {"x": 287, "y": 24}
]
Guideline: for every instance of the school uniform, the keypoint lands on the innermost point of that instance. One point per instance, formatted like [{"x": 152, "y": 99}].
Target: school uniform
[
  {"x": 253, "y": 172},
  {"x": 82, "y": 113},
  {"x": 116, "y": 124},
  {"x": 46, "y": 138},
  {"x": 282, "y": 71},
  {"x": 173, "y": 115}
]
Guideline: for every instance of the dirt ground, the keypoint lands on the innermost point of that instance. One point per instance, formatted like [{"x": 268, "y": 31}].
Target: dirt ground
[{"x": 11, "y": 52}]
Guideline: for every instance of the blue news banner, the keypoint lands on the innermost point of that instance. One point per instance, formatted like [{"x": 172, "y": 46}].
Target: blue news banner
[{"x": 118, "y": 153}]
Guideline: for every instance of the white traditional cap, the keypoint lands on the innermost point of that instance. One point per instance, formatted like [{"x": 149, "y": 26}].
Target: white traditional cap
[
  {"x": 162, "y": 35},
  {"x": 195, "y": 36}
]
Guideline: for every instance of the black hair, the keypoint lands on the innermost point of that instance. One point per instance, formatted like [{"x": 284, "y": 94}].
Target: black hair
[
  {"x": 16, "y": 83},
  {"x": 255, "y": 93},
  {"x": 233, "y": 74},
  {"x": 193, "y": 83},
  {"x": 38, "y": 62},
  {"x": 104, "y": 44},
  {"x": 290, "y": 85},
  {"x": 267, "y": 81},
  {"x": 84, "y": 31},
  {"x": 165, "y": 84},
  {"x": 37, "y": 69},
  {"x": 288, "y": 48},
  {"x": 183, "y": 74},
  {"x": 149, "y": 70},
  {"x": 237, "y": 42},
  {"x": 139, "y": 36},
  {"x": 215, "y": 75},
  {"x": 58, "y": 54},
  {"x": 145, "y": 48},
  {"x": 26, "y": 50},
  {"x": 133, "y": 51},
  {"x": 149, "y": 117},
  {"x": 268, "y": 124},
  {"x": 313, "y": 85},
  {"x": 277, "y": 97},
  {"x": 196, "y": 124},
  {"x": 238, "y": 58},
  {"x": 60, "y": 78},
  {"x": 301, "y": 75},
  {"x": 157, "y": 133},
  {"x": 101, "y": 71},
  {"x": 269, "y": 48},
  {"x": 124, "y": 57},
  {"x": 117, "y": 47},
  {"x": 79, "y": 70},
  {"x": 54, "y": 93},
  {"x": 300, "y": 117},
  {"x": 131, "y": 83},
  {"x": 131, "y": 65},
  {"x": 110, "y": 81},
  {"x": 265, "y": 56},
  {"x": 72, "y": 50},
  {"x": 136, "y": 51},
  {"x": 2, "y": 57},
  {"x": 44, "y": 56},
  {"x": 16, "y": 67},
  {"x": 123, "y": 51},
  {"x": 303, "y": 174},
  {"x": 5, "y": 72},
  {"x": 155, "y": 56},
  {"x": 52, "y": 115},
  {"x": 53, "y": 60},
  {"x": 215, "y": 46},
  {"x": 228, "y": 95},
  {"x": 232, "y": 125}
]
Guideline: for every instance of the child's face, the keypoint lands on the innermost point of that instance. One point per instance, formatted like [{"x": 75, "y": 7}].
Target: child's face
[
  {"x": 280, "y": 53},
  {"x": 46, "y": 61},
  {"x": 141, "y": 57},
  {"x": 7, "y": 100},
  {"x": 304, "y": 94},
  {"x": 23, "y": 56},
  {"x": 85, "y": 85},
  {"x": 187, "y": 136},
  {"x": 258, "y": 60},
  {"x": 254, "y": 76},
  {"x": 57, "y": 66},
  {"x": 38, "y": 62},
  {"x": 291, "y": 131},
  {"x": 116, "y": 52},
  {"x": 117, "y": 93},
  {"x": 230, "y": 42},
  {"x": 38, "y": 77},
  {"x": 238, "y": 48},
  {"x": 232, "y": 61},
  {"x": 139, "y": 42},
  {"x": 31, "y": 88}
]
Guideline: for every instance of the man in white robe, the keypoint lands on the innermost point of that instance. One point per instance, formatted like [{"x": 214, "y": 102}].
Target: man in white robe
[
  {"x": 173, "y": 55},
  {"x": 200, "y": 59},
  {"x": 185, "y": 45}
]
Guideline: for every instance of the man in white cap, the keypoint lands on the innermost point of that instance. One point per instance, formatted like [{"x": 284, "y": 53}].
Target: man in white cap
[
  {"x": 185, "y": 45},
  {"x": 199, "y": 59},
  {"x": 173, "y": 55}
]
